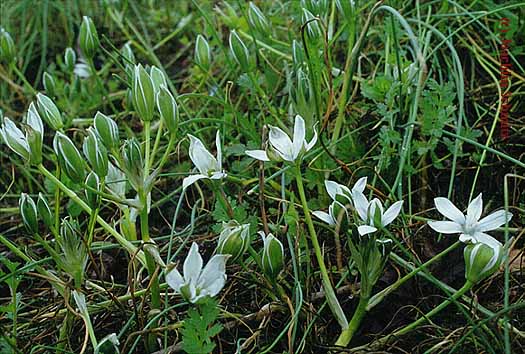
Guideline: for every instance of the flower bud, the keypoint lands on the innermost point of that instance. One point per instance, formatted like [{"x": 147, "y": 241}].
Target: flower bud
[
  {"x": 202, "y": 53},
  {"x": 133, "y": 163},
  {"x": 15, "y": 139},
  {"x": 143, "y": 93},
  {"x": 34, "y": 134},
  {"x": 49, "y": 84},
  {"x": 44, "y": 211},
  {"x": 127, "y": 53},
  {"x": 482, "y": 260},
  {"x": 239, "y": 51},
  {"x": 69, "y": 158},
  {"x": 297, "y": 53},
  {"x": 93, "y": 186},
  {"x": 157, "y": 78},
  {"x": 273, "y": 256},
  {"x": 88, "y": 38},
  {"x": 313, "y": 29},
  {"x": 168, "y": 109},
  {"x": 347, "y": 9},
  {"x": 96, "y": 153},
  {"x": 106, "y": 130},
  {"x": 70, "y": 58},
  {"x": 7, "y": 47},
  {"x": 74, "y": 253},
  {"x": 234, "y": 239},
  {"x": 49, "y": 112},
  {"x": 257, "y": 19},
  {"x": 29, "y": 213}
]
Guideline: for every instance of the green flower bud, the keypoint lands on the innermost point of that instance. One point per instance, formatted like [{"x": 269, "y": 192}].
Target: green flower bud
[
  {"x": 45, "y": 211},
  {"x": 312, "y": 28},
  {"x": 96, "y": 153},
  {"x": 49, "y": 112},
  {"x": 347, "y": 9},
  {"x": 15, "y": 139},
  {"x": 93, "y": 184},
  {"x": 157, "y": 78},
  {"x": 106, "y": 130},
  {"x": 482, "y": 260},
  {"x": 7, "y": 47},
  {"x": 74, "y": 253},
  {"x": 127, "y": 53},
  {"x": 234, "y": 239},
  {"x": 143, "y": 93},
  {"x": 240, "y": 52},
  {"x": 273, "y": 256},
  {"x": 297, "y": 53},
  {"x": 88, "y": 38},
  {"x": 202, "y": 53},
  {"x": 29, "y": 213},
  {"x": 317, "y": 7},
  {"x": 69, "y": 158},
  {"x": 34, "y": 134},
  {"x": 133, "y": 163},
  {"x": 168, "y": 109},
  {"x": 257, "y": 19},
  {"x": 49, "y": 84},
  {"x": 70, "y": 58}
]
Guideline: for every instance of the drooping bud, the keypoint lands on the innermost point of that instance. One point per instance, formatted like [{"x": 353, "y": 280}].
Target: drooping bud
[
  {"x": 143, "y": 93},
  {"x": 234, "y": 239},
  {"x": 482, "y": 260},
  {"x": 34, "y": 134},
  {"x": 49, "y": 112},
  {"x": 44, "y": 211},
  {"x": 88, "y": 38},
  {"x": 106, "y": 130},
  {"x": 96, "y": 153},
  {"x": 273, "y": 255},
  {"x": 168, "y": 109},
  {"x": 202, "y": 53},
  {"x": 15, "y": 139},
  {"x": 49, "y": 84},
  {"x": 29, "y": 213},
  {"x": 257, "y": 19},
  {"x": 312, "y": 28},
  {"x": 7, "y": 47},
  {"x": 239, "y": 51},
  {"x": 69, "y": 158},
  {"x": 93, "y": 186},
  {"x": 70, "y": 58},
  {"x": 133, "y": 163},
  {"x": 74, "y": 252},
  {"x": 157, "y": 78}
]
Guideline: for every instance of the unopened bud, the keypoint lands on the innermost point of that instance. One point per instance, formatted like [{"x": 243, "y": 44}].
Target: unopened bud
[
  {"x": 234, "y": 239},
  {"x": 202, "y": 53},
  {"x": 96, "y": 153},
  {"x": 7, "y": 47},
  {"x": 29, "y": 213},
  {"x": 239, "y": 51},
  {"x": 49, "y": 84},
  {"x": 257, "y": 19},
  {"x": 107, "y": 130},
  {"x": 143, "y": 93},
  {"x": 88, "y": 38},
  {"x": 44, "y": 211},
  {"x": 49, "y": 112},
  {"x": 273, "y": 255},
  {"x": 93, "y": 186},
  {"x": 168, "y": 109},
  {"x": 69, "y": 158},
  {"x": 70, "y": 58},
  {"x": 482, "y": 260}
]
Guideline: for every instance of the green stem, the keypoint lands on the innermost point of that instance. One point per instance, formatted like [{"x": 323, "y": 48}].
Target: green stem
[
  {"x": 329, "y": 290},
  {"x": 22, "y": 77},
  {"x": 120, "y": 239},
  {"x": 377, "y": 298},
  {"x": 346, "y": 335}
]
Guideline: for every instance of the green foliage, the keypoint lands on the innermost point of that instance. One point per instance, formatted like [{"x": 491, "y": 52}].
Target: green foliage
[{"x": 200, "y": 328}]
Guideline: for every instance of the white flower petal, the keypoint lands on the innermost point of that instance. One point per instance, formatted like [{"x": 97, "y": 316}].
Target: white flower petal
[
  {"x": 201, "y": 157},
  {"x": 174, "y": 279},
  {"x": 332, "y": 188},
  {"x": 299, "y": 133},
  {"x": 258, "y": 155},
  {"x": 327, "y": 218},
  {"x": 445, "y": 227},
  {"x": 361, "y": 205},
  {"x": 311, "y": 144},
  {"x": 494, "y": 220},
  {"x": 192, "y": 265},
  {"x": 218, "y": 175},
  {"x": 360, "y": 185},
  {"x": 467, "y": 238},
  {"x": 188, "y": 181},
  {"x": 474, "y": 209},
  {"x": 365, "y": 229},
  {"x": 213, "y": 275},
  {"x": 219, "y": 150},
  {"x": 449, "y": 210},
  {"x": 482, "y": 237},
  {"x": 281, "y": 143},
  {"x": 391, "y": 213}
]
